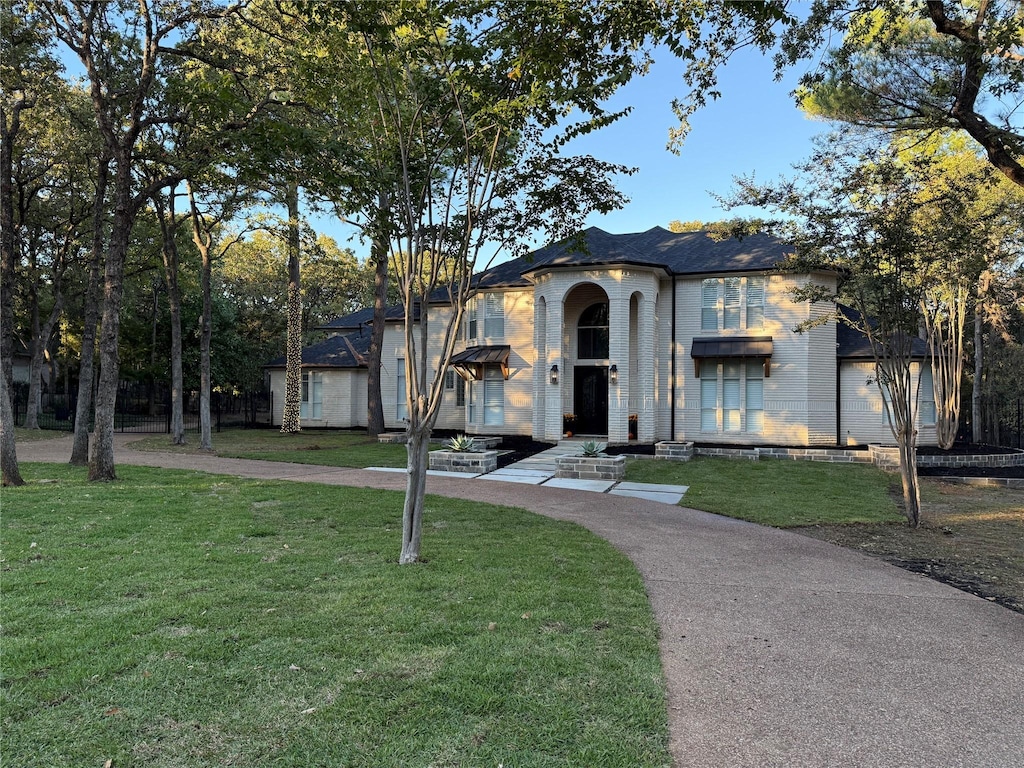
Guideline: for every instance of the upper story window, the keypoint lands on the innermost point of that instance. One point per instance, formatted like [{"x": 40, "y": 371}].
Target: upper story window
[
  {"x": 494, "y": 315},
  {"x": 732, "y": 303},
  {"x": 592, "y": 333},
  {"x": 469, "y": 322}
]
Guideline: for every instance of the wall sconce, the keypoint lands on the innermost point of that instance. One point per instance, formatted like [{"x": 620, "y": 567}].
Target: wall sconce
[
  {"x": 554, "y": 374},
  {"x": 614, "y": 374}
]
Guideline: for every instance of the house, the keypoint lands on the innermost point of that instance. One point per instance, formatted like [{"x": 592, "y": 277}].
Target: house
[{"x": 657, "y": 335}]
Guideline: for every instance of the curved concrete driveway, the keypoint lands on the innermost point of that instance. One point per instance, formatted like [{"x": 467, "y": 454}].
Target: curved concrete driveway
[{"x": 778, "y": 650}]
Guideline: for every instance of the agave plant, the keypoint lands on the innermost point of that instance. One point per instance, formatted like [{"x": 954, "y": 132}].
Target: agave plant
[
  {"x": 462, "y": 444},
  {"x": 592, "y": 448}
]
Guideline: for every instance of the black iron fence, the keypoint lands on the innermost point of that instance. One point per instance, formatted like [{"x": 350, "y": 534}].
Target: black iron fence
[
  {"x": 1002, "y": 422},
  {"x": 141, "y": 407}
]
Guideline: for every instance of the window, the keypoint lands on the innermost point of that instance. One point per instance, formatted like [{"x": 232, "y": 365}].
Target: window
[
  {"x": 449, "y": 379},
  {"x": 709, "y": 305},
  {"x": 709, "y": 396},
  {"x": 494, "y": 315},
  {"x": 470, "y": 325},
  {"x": 755, "y": 302},
  {"x": 311, "y": 403},
  {"x": 471, "y": 405},
  {"x": 927, "y": 396},
  {"x": 494, "y": 396},
  {"x": 460, "y": 392},
  {"x": 742, "y": 403},
  {"x": 733, "y": 287},
  {"x": 731, "y": 407},
  {"x": 755, "y": 396},
  {"x": 592, "y": 333},
  {"x": 739, "y": 296},
  {"x": 401, "y": 408}
]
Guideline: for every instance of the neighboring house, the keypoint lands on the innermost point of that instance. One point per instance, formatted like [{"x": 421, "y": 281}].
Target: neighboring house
[{"x": 666, "y": 336}]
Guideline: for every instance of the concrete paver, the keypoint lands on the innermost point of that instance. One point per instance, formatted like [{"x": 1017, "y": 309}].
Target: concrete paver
[
  {"x": 595, "y": 486},
  {"x": 779, "y": 651},
  {"x": 664, "y": 497}
]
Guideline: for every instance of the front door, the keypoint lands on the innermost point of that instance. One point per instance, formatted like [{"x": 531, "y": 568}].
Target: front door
[{"x": 590, "y": 399}]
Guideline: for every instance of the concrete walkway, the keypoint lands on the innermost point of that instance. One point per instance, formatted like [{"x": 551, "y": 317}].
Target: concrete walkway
[
  {"x": 778, "y": 650},
  {"x": 540, "y": 469}
]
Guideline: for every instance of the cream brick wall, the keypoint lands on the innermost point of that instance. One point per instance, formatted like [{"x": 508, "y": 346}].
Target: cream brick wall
[
  {"x": 344, "y": 398},
  {"x": 861, "y": 419},
  {"x": 797, "y": 395}
]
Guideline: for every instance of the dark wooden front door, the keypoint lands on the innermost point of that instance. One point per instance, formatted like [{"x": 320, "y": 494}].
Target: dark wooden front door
[{"x": 590, "y": 399}]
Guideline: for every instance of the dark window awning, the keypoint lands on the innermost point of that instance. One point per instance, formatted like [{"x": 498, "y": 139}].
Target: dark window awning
[
  {"x": 470, "y": 364},
  {"x": 758, "y": 347}
]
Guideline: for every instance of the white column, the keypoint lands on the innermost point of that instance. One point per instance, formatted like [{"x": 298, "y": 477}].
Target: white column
[
  {"x": 646, "y": 368},
  {"x": 553, "y": 392},
  {"x": 618, "y": 355}
]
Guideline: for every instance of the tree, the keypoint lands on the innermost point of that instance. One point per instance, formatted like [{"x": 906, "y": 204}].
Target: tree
[
  {"x": 685, "y": 226},
  {"x": 9, "y": 471},
  {"x": 465, "y": 97},
  {"x": 928, "y": 65},
  {"x": 124, "y": 48}
]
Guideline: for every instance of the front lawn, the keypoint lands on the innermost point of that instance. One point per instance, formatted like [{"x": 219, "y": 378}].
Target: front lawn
[
  {"x": 332, "y": 448},
  {"x": 777, "y": 492},
  {"x": 184, "y": 619}
]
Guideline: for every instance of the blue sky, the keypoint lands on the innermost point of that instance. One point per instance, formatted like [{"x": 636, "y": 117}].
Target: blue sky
[{"x": 754, "y": 127}]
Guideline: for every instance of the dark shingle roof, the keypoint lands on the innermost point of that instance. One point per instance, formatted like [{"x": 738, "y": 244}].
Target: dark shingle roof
[
  {"x": 347, "y": 351},
  {"x": 355, "y": 321},
  {"x": 684, "y": 253},
  {"x": 852, "y": 343}
]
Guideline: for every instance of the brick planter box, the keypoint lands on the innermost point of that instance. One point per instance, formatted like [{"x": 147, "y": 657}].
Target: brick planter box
[
  {"x": 591, "y": 467},
  {"x": 479, "y": 463},
  {"x": 673, "y": 451}
]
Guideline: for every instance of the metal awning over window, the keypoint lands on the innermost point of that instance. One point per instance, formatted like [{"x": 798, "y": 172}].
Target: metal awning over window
[
  {"x": 758, "y": 347},
  {"x": 470, "y": 364}
]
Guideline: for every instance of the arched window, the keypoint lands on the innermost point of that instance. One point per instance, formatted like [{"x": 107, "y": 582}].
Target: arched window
[{"x": 592, "y": 333}]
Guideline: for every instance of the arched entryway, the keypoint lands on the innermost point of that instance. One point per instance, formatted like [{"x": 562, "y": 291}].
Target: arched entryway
[{"x": 587, "y": 315}]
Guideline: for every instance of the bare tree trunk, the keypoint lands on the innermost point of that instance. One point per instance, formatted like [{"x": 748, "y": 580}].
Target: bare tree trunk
[
  {"x": 101, "y": 463},
  {"x": 9, "y": 472},
  {"x": 80, "y": 448},
  {"x": 979, "y": 357},
  {"x": 168, "y": 225},
  {"x": 35, "y": 372},
  {"x": 908, "y": 476},
  {"x": 205, "y": 437},
  {"x": 291, "y": 416},
  {"x": 374, "y": 399},
  {"x": 418, "y": 452}
]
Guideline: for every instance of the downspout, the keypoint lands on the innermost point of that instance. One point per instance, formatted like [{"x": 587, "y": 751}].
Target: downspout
[
  {"x": 672, "y": 366},
  {"x": 839, "y": 402}
]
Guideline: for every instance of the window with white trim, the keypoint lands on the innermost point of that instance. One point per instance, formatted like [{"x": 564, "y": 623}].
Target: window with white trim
[
  {"x": 401, "y": 407},
  {"x": 460, "y": 392},
  {"x": 494, "y": 316},
  {"x": 494, "y": 396},
  {"x": 449, "y": 379},
  {"x": 709, "y": 396},
  {"x": 755, "y": 302},
  {"x": 471, "y": 404},
  {"x": 926, "y": 400},
  {"x": 741, "y": 407},
  {"x": 732, "y": 303},
  {"x": 469, "y": 323},
  {"x": 311, "y": 402},
  {"x": 732, "y": 406},
  {"x": 754, "y": 400}
]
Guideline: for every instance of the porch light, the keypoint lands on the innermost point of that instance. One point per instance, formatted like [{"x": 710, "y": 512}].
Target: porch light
[
  {"x": 554, "y": 374},
  {"x": 614, "y": 374}
]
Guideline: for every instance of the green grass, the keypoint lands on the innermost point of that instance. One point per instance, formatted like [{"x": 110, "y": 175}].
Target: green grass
[
  {"x": 32, "y": 435},
  {"x": 779, "y": 493},
  {"x": 331, "y": 448},
  {"x": 184, "y": 619}
]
